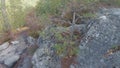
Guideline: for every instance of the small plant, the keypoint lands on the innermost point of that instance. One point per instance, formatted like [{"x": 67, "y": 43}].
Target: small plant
[
  {"x": 34, "y": 34},
  {"x": 89, "y": 15},
  {"x": 63, "y": 44},
  {"x": 66, "y": 49}
]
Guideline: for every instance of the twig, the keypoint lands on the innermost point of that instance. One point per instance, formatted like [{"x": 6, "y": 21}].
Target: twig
[{"x": 73, "y": 23}]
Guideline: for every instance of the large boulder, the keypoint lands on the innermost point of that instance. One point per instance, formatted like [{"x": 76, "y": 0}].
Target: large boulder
[
  {"x": 24, "y": 62},
  {"x": 103, "y": 35},
  {"x": 99, "y": 37},
  {"x": 10, "y": 52},
  {"x": 11, "y": 60},
  {"x": 45, "y": 57}
]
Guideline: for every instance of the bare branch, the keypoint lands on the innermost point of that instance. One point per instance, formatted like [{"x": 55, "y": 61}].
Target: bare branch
[{"x": 73, "y": 23}]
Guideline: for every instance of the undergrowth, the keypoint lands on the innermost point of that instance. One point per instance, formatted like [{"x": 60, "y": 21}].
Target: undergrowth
[
  {"x": 63, "y": 44},
  {"x": 60, "y": 12},
  {"x": 114, "y": 3}
]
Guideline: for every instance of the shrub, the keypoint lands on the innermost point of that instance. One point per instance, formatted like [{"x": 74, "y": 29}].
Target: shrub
[
  {"x": 63, "y": 44},
  {"x": 49, "y": 6}
]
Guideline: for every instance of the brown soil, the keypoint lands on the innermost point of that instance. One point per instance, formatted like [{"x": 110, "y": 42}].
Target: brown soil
[
  {"x": 12, "y": 35},
  {"x": 67, "y": 61}
]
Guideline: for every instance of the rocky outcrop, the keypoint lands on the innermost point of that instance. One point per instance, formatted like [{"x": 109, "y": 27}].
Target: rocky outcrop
[
  {"x": 103, "y": 35},
  {"x": 99, "y": 37},
  {"x": 24, "y": 62},
  {"x": 45, "y": 57},
  {"x": 10, "y": 52}
]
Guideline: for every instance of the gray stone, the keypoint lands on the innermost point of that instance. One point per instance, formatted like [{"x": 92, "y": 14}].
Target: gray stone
[
  {"x": 71, "y": 66},
  {"x": 26, "y": 63},
  {"x": 10, "y": 53},
  {"x": 43, "y": 57},
  {"x": 4, "y": 46},
  {"x": 15, "y": 42},
  {"x": 81, "y": 28},
  {"x": 11, "y": 60},
  {"x": 102, "y": 35},
  {"x": 31, "y": 41},
  {"x": 99, "y": 35}
]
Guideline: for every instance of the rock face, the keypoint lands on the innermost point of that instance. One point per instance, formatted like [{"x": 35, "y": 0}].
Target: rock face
[
  {"x": 25, "y": 62},
  {"x": 100, "y": 35},
  {"x": 10, "y": 53},
  {"x": 12, "y": 59},
  {"x": 103, "y": 35},
  {"x": 44, "y": 57}
]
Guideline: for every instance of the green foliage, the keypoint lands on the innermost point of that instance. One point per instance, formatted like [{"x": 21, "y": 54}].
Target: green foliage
[
  {"x": 1, "y": 22},
  {"x": 60, "y": 49},
  {"x": 66, "y": 47},
  {"x": 89, "y": 15},
  {"x": 87, "y": 2},
  {"x": 49, "y": 6},
  {"x": 16, "y": 14},
  {"x": 111, "y": 2},
  {"x": 63, "y": 45}
]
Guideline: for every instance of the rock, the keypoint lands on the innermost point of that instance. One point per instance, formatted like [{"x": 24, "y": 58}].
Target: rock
[
  {"x": 4, "y": 46},
  {"x": 9, "y": 53},
  {"x": 26, "y": 63},
  {"x": 3, "y": 66},
  {"x": 31, "y": 41},
  {"x": 43, "y": 57},
  {"x": 40, "y": 41},
  {"x": 100, "y": 35},
  {"x": 103, "y": 35},
  {"x": 42, "y": 60},
  {"x": 11, "y": 60},
  {"x": 72, "y": 66},
  {"x": 15, "y": 42},
  {"x": 103, "y": 17},
  {"x": 81, "y": 28}
]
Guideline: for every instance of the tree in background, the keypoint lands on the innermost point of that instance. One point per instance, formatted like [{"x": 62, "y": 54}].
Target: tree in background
[
  {"x": 6, "y": 25},
  {"x": 16, "y": 13}
]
